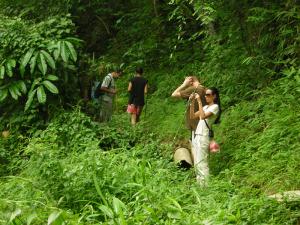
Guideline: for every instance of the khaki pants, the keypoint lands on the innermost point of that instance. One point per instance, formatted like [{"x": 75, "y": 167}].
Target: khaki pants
[
  {"x": 106, "y": 110},
  {"x": 200, "y": 148}
]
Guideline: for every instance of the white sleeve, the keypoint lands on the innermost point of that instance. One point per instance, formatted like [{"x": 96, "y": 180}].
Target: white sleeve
[
  {"x": 106, "y": 82},
  {"x": 214, "y": 109}
]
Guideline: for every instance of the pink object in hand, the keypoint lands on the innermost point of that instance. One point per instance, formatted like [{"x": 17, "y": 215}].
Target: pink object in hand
[{"x": 214, "y": 146}]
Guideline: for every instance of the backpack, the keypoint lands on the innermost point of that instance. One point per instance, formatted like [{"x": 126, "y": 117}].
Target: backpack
[{"x": 96, "y": 89}]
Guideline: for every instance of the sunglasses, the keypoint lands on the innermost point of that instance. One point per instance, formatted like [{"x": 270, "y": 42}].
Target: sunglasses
[{"x": 208, "y": 94}]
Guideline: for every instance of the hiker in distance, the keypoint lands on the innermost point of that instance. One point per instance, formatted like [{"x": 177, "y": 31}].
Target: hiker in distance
[
  {"x": 137, "y": 88},
  {"x": 190, "y": 85},
  {"x": 208, "y": 115},
  {"x": 105, "y": 94}
]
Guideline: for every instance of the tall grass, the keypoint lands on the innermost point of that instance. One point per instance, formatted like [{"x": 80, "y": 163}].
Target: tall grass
[{"x": 81, "y": 172}]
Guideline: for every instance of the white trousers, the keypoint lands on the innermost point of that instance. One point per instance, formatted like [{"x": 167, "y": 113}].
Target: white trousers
[{"x": 200, "y": 147}]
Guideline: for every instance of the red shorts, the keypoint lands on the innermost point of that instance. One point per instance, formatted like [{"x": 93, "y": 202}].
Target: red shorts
[{"x": 133, "y": 109}]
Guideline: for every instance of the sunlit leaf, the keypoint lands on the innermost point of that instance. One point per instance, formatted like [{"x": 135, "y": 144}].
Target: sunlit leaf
[
  {"x": 175, "y": 203},
  {"x": 22, "y": 86},
  {"x": 33, "y": 62},
  {"x": 34, "y": 83},
  {"x": 64, "y": 52},
  {"x": 51, "y": 77},
  {"x": 53, "y": 217},
  {"x": 118, "y": 205},
  {"x": 41, "y": 95},
  {"x": 74, "y": 40},
  {"x": 15, "y": 214},
  {"x": 50, "y": 86},
  {"x": 56, "y": 52},
  {"x": 16, "y": 88},
  {"x": 30, "y": 218},
  {"x": 12, "y": 63},
  {"x": 13, "y": 93},
  {"x": 2, "y": 72},
  {"x": 73, "y": 53},
  {"x": 42, "y": 64},
  {"x": 99, "y": 190},
  {"x": 3, "y": 94},
  {"x": 9, "y": 69},
  {"x": 106, "y": 211},
  {"x": 25, "y": 60},
  {"x": 49, "y": 59},
  {"x": 30, "y": 99}
]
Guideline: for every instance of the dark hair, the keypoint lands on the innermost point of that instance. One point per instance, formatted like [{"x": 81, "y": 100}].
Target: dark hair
[
  {"x": 139, "y": 70},
  {"x": 217, "y": 101}
]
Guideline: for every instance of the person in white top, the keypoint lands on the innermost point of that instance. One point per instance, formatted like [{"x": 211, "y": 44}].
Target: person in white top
[{"x": 211, "y": 114}]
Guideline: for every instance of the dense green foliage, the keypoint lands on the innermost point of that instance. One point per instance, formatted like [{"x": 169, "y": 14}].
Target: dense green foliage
[
  {"x": 58, "y": 166},
  {"x": 33, "y": 56}
]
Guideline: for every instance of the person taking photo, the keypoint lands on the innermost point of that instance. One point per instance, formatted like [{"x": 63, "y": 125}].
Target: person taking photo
[
  {"x": 191, "y": 84},
  {"x": 207, "y": 115}
]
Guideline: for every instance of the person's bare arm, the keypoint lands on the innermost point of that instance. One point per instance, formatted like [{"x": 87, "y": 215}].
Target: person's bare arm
[
  {"x": 129, "y": 87},
  {"x": 146, "y": 89},
  {"x": 186, "y": 83},
  {"x": 107, "y": 90}
]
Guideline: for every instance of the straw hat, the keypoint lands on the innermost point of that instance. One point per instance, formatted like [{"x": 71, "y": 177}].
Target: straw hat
[{"x": 183, "y": 157}]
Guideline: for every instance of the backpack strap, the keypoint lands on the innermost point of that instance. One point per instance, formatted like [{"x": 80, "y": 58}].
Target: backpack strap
[{"x": 207, "y": 124}]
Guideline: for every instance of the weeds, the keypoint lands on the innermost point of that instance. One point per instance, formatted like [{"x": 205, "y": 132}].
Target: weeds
[{"x": 81, "y": 172}]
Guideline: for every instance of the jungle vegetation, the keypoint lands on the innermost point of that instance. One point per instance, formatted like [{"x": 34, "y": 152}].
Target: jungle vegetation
[{"x": 60, "y": 166}]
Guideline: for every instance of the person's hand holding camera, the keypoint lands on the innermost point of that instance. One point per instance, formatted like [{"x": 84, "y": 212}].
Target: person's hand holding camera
[
  {"x": 192, "y": 97},
  {"x": 197, "y": 97}
]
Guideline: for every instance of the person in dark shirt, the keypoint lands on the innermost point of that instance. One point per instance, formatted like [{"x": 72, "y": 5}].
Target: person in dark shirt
[{"x": 137, "y": 89}]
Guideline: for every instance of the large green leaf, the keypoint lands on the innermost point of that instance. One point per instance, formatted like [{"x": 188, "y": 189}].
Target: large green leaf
[
  {"x": 41, "y": 95},
  {"x": 3, "y": 94},
  {"x": 34, "y": 83},
  {"x": 53, "y": 218},
  {"x": 25, "y": 60},
  {"x": 33, "y": 62},
  {"x": 14, "y": 215},
  {"x": 15, "y": 86},
  {"x": 13, "y": 92},
  {"x": 49, "y": 59},
  {"x": 56, "y": 52},
  {"x": 74, "y": 40},
  {"x": 12, "y": 63},
  {"x": 73, "y": 53},
  {"x": 9, "y": 69},
  {"x": 118, "y": 206},
  {"x": 42, "y": 65},
  {"x": 64, "y": 51},
  {"x": 50, "y": 86},
  {"x": 2, "y": 72},
  {"x": 22, "y": 86},
  {"x": 30, "y": 218},
  {"x": 106, "y": 211},
  {"x": 51, "y": 77},
  {"x": 30, "y": 99}
]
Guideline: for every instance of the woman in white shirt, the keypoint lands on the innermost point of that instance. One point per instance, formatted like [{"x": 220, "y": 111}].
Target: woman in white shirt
[{"x": 200, "y": 146}]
